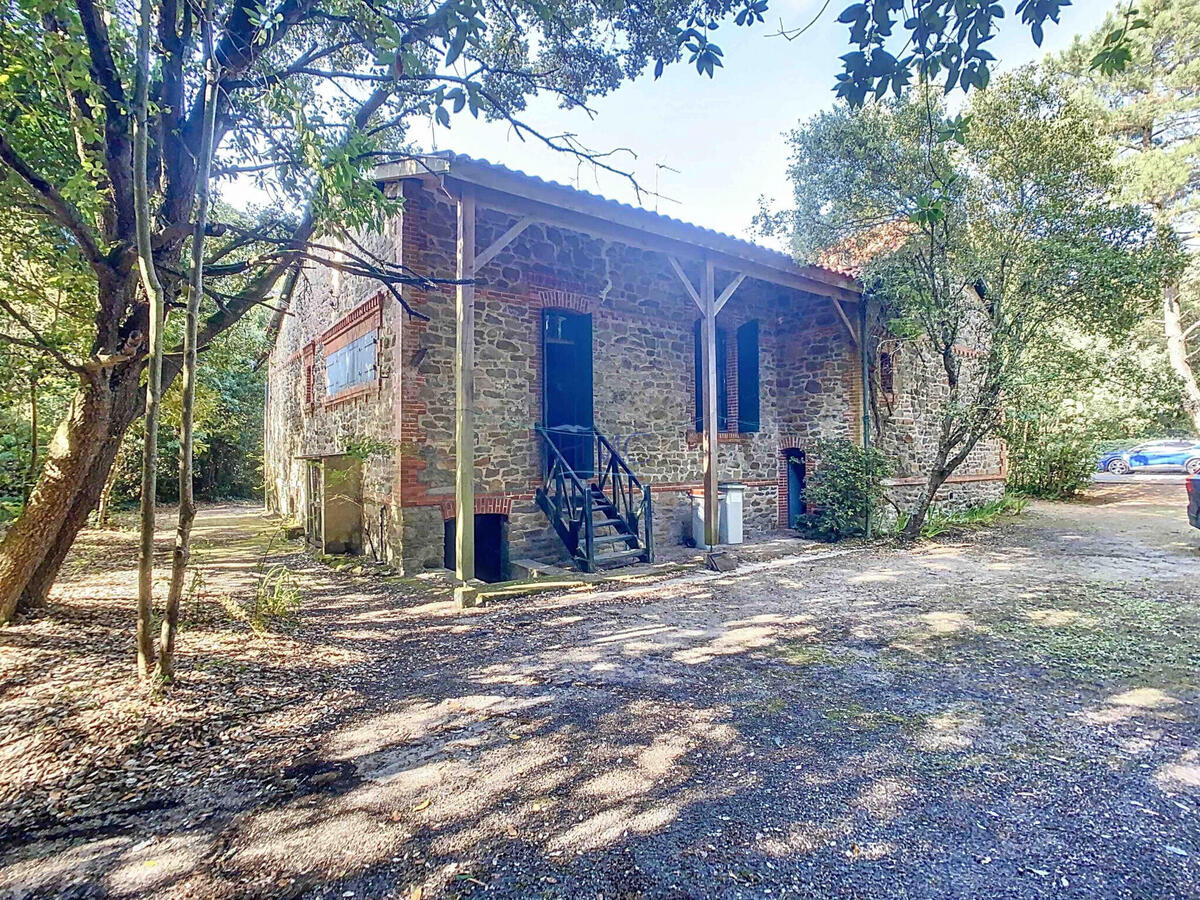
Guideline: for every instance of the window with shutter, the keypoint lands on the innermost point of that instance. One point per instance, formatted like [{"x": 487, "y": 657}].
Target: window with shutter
[
  {"x": 747, "y": 378},
  {"x": 351, "y": 365},
  {"x": 887, "y": 374}
]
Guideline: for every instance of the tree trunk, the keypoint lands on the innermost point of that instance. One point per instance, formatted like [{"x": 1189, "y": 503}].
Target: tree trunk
[
  {"x": 187, "y": 503},
  {"x": 154, "y": 297},
  {"x": 69, "y": 460},
  {"x": 938, "y": 474},
  {"x": 31, "y": 472},
  {"x": 125, "y": 406},
  {"x": 1177, "y": 353},
  {"x": 104, "y": 515}
]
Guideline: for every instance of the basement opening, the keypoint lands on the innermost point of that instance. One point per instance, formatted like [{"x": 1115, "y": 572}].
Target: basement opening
[{"x": 491, "y": 547}]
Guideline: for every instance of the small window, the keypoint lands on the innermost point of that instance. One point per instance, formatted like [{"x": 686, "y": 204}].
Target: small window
[
  {"x": 722, "y": 379},
  {"x": 887, "y": 374},
  {"x": 747, "y": 378},
  {"x": 351, "y": 365}
]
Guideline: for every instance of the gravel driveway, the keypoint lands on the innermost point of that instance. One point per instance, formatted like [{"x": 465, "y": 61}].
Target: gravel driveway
[{"x": 1008, "y": 714}]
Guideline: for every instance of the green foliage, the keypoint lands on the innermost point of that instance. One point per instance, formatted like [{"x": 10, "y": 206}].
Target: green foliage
[
  {"x": 1150, "y": 109},
  {"x": 984, "y": 515},
  {"x": 276, "y": 597},
  {"x": 1083, "y": 396},
  {"x": 844, "y": 484},
  {"x": 228, "y": 423},
  {"x": 946, "y": 41},
  {"x": 1051, "y": 464},
  {"x": 1149, "y": 106},
  {"x": 995, "y": 231},
  {"x": 363, "y": 447}
]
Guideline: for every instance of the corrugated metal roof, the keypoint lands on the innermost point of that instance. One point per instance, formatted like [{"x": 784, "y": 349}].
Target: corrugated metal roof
[{"x": 460, "y": 164}]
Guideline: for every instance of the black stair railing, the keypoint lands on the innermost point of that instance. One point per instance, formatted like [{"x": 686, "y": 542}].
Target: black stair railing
[
  {"x": 563, "y": 496},
  {"x": 604, "y": 520}
]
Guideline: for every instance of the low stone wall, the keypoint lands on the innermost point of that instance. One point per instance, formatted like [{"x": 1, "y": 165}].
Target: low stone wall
[{"x": 953, "y": 496}]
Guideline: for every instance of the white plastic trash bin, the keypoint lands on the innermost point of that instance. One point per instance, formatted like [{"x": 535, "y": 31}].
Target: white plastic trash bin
[
  {"x": 729, "y": 521},
  {"x": 729, "y": 514},
  {"x": 698, "y": 518}
]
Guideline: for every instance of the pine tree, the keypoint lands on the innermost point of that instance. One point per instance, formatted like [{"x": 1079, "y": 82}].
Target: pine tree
[{"x": 1152, "y": 107}]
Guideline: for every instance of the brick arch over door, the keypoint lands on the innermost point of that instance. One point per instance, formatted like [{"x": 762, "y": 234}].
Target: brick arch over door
[{"x": 485, "y": 505}]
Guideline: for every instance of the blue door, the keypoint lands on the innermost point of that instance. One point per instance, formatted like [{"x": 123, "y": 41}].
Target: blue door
[
  {"x": 795, "y": 482},
  {"x": 567, "y": 386}
]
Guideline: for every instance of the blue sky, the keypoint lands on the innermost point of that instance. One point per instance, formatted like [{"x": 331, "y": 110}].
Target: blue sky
[{"x": 725, "y": 136}]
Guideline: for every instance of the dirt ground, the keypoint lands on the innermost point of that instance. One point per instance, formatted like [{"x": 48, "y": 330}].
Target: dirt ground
[{"x": 1010, "y": 713}]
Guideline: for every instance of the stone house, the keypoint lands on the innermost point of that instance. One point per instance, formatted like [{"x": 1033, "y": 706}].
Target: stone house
[{"x": 577, "y": 349}]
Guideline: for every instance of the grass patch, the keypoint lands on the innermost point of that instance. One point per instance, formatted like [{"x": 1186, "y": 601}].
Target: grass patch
[
  {"x": 807, "y": 654},
  {"x": 873, "y": 719},
  {"x": 971, "y": 518},
  {"x": 276, "y": 597},
  {"x": 1111, "y": 635}
]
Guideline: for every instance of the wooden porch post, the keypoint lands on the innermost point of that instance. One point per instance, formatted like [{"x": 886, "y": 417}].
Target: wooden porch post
[
  {"x": 711, "y": 425},
  {"x": 464, "y": 398}
]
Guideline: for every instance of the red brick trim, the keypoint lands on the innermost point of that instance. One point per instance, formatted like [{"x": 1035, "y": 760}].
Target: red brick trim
[
  {"x": 953, "y": 479},
  {"x": 367, "y": 315},
  {"x": 694, "y": 438},
  {"x": 496, "y": 504},
  {"x": 292, "y": 357},
  {"x": 485, "y": 504},
  {"x": 970, "y": 352},
  {"x": 550, "y": 298},
  {"x": 353, "y": 393},
  {"x": 308, "y": 353}
]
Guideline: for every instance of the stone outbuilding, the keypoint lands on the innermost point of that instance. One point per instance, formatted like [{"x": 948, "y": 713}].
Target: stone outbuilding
[{"x": 583, "y": 354}]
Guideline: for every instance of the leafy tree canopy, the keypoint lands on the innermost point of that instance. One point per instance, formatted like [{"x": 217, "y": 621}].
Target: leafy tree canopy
[{"x": 1000, "y": 227}]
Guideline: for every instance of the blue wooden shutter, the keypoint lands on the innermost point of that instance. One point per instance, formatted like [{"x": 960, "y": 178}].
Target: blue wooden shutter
[{"x": 747, "y": 377}]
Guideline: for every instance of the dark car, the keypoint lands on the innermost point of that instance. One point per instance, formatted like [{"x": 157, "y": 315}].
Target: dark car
[
  {"x": 1153, "y": 456},
  {"x": 1193, "y": 491}
]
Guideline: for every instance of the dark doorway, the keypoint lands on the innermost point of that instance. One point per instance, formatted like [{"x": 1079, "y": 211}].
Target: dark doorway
[
  {"x": 795, "y": 482},
  {"x": 314, "y": 529},
  {"x": 491, "y": 547},
  {"x": 567, "y": 385}
]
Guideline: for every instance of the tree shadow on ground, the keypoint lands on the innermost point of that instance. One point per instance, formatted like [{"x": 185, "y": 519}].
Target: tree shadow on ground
[{"x": 854, "y": 726}]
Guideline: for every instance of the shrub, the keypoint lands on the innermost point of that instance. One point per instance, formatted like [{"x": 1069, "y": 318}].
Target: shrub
[
  {"x": 845, "y": 482},
  {"x": 1049, "y": 464}
]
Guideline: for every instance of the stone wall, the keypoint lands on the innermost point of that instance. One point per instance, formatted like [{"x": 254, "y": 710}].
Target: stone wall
[
  {"x": 907, "y": 423},
  {"x": 644, "y": 371},
  {"x": 644, "y": 385},
  {"x": 302, "y": 424}
]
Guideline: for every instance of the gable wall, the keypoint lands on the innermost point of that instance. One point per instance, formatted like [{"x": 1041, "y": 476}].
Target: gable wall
[{"x": 365, "y": 421}]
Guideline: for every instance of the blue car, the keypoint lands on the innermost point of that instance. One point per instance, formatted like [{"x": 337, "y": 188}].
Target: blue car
[{"x": 1154, "y": 456}]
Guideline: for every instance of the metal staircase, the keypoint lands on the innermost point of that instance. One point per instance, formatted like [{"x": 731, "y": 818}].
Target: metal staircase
[{"x": 599, "y": 509}]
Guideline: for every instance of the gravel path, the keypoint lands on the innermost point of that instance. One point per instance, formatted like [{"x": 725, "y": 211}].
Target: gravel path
[{"x": 1009, "y": 714}]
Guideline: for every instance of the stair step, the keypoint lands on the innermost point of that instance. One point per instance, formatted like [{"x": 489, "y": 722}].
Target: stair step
[
  {"x": 613, "y": 539},
  {"x": 611, "y": 520},
  {"x": 620, "y": 556}
]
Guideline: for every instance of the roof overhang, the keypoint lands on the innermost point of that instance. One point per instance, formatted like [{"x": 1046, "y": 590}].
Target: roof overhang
[{"x": 519, "y": 194}]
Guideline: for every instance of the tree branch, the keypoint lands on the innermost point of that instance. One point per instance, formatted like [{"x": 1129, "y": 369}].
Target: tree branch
[{"x": 54, "y": 203}]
